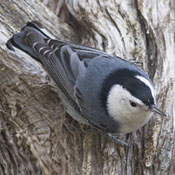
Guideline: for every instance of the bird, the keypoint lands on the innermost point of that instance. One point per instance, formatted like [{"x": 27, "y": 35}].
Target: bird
[{"x": 96, "y": 88}]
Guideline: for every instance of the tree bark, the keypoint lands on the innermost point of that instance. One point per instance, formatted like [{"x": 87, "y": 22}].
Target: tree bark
[{"x": 37, "y": 137}]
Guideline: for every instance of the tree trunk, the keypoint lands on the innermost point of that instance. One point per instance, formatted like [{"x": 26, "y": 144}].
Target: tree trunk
[{"x": 36, "y": 137}]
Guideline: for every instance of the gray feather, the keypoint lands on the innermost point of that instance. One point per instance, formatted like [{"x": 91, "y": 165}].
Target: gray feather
[{"x": 72, "y": 68}]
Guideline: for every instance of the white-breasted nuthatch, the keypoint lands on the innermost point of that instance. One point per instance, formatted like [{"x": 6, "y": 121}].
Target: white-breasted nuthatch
[{"x": 105, "y": 91}]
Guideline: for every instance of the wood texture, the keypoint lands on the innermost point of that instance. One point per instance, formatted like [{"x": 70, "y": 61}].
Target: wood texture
[{"x": 35, "y": 135}]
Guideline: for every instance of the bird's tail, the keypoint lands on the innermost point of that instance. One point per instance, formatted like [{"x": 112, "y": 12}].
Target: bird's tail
[{"x": 20, "y": 41}]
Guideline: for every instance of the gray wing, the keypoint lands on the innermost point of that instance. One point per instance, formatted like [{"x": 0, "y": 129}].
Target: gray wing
[{"x": 64, "y": 63}]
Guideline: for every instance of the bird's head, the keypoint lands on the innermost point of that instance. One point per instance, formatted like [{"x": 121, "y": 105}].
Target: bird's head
[{"x": 131, "y": 100}]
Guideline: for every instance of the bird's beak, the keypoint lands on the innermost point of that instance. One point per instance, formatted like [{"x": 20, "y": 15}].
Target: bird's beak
[{"x": 155, "y": 109}]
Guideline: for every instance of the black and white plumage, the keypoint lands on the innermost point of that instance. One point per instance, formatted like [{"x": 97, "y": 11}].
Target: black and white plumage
[{"x": 108, "y": 92}]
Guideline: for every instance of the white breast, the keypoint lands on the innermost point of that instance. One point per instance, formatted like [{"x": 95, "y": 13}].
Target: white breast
[{"x": 132, "y": 123}]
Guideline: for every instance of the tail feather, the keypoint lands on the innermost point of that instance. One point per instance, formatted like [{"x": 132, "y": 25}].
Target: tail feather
[
  {"x": 20, "y": 40},
  {"x": 37, "y": 26}
]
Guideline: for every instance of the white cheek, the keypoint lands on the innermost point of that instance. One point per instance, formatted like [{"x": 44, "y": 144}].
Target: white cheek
[
  {"x": 118, "y": 102},
  {"x": 114, "y": 102},
  {"x": 119, "y": 108}
]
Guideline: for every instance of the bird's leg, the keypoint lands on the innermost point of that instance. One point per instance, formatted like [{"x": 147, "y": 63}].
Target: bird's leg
[
  {"x": 116, "y": 140},
  {"x": 93, "y": 130}
]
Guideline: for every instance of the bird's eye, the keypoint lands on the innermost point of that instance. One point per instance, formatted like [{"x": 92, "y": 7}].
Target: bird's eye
[{"x": 132, "y": 103}]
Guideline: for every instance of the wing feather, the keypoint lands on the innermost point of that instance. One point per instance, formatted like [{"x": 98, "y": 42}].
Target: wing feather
[{"x": 64, "y": 63}]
